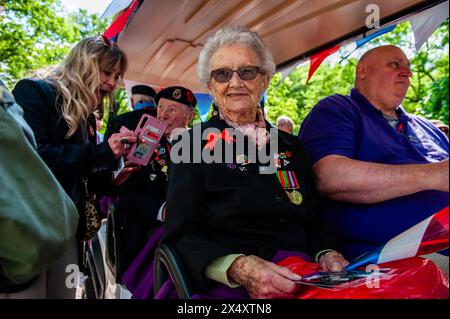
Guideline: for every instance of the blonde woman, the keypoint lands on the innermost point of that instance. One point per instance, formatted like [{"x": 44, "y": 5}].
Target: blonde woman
[{"x": 61, "y": 107}]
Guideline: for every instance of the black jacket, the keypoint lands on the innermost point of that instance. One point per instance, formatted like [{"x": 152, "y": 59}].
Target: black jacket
[
  {"x": 219, "y": 209},
  {"x": 140, "y": 197},
  {"x": 69, "y": 159}
]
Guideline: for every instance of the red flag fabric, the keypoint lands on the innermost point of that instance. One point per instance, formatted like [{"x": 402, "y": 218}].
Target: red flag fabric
[
  {"x": 317, "y": 59},
  {"x": 411, "y": 278},
  {"x": 435, "y": 237},
  {"x": 117, "y": 26}
]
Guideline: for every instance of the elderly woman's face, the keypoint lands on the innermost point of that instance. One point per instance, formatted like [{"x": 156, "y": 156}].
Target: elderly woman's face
[{"x": 237, "y": 95}]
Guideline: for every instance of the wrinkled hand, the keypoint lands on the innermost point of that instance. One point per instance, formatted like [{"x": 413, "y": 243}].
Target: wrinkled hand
[
  {"x": 333, "y": 261},
  {"x": 125, "y": 173},
  {"x": 121, "y": 143},
  {"x": 263, "y": 279}
]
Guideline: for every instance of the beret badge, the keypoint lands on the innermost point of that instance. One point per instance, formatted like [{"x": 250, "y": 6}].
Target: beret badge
[{"x": 176, "y": 94}]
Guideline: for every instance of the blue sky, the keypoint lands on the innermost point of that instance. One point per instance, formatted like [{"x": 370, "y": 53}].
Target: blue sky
[{"x": 92, "y": 6}]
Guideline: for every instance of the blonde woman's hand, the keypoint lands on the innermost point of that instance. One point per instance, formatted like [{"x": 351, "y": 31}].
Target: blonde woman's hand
[
  {"x": 121, "y": 143},
  {"x": 125, "y": 173}
]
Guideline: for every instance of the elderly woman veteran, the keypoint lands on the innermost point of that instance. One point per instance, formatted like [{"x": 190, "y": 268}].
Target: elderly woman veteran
[{"x": 233, "y": 220}]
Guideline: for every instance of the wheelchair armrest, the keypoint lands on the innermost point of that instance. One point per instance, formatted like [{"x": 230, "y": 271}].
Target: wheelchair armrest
[{"x": 167, "y": 262}]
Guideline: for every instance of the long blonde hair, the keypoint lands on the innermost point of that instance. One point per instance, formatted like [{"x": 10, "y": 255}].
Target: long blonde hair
[{"x": 77, "y": 79}]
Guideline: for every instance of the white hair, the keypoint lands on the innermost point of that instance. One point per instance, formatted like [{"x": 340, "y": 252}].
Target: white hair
[
  {"x": 284, "y": 118},
  {"x": 232, "y": 35}
]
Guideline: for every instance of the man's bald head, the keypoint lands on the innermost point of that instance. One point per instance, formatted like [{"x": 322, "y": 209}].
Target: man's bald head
[
  {"x": 372, "y": 56},
  {"x": 382, "y": 76}
]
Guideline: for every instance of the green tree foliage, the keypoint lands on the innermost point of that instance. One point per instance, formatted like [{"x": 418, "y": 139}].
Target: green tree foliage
[
  {"x": 295, "y": 99},
  {"x": 38, "y": 33},
  {"x": 427, "y": 96}
]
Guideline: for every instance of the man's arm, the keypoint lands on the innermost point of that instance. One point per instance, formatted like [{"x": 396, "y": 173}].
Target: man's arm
[{"x": 345, "y": 179}]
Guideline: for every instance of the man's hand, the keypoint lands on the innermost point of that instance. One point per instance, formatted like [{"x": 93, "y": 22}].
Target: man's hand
[
  {"x": 263, "y": 279},
  {"x": 333, "y": 261}
]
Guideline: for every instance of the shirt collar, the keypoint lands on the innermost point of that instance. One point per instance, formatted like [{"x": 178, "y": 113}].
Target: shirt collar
[{"x": 367, "y": 106}]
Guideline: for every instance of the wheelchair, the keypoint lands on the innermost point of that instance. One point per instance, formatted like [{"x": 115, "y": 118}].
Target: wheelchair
[
  {"x": 168, "y": 265},
  {"x": 106, "y": 259}
]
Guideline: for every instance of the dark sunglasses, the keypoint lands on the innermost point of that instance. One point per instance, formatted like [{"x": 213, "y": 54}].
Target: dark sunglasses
[{"x": 245, "y": 73}]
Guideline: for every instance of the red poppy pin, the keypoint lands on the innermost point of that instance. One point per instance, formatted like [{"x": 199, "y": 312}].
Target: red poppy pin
[{"x": 213, "y": 138}]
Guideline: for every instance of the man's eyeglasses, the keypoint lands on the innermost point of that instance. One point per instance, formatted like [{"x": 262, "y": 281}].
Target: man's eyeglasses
[{"x": 245, "y": 73}]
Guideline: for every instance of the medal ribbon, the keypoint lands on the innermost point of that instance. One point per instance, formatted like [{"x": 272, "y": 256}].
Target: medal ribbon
[{"x": 288, "y": 179}]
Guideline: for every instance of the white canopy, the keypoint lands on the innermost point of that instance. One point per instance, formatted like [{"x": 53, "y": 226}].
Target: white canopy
[{"x": 164, "y": 38}]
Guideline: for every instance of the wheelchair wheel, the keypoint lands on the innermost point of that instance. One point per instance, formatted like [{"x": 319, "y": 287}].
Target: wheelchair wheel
[{"x": 87, "y": 290}]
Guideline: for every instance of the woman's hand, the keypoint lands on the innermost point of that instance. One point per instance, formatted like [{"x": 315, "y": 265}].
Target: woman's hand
[
  {"x": 333, "y": 261},
  {"x": 263, "y": 279},
  {"x": 125, "y": 173},
  {"x": 121, "y": 143}
]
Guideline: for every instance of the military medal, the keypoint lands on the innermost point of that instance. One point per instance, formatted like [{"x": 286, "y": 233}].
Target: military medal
[
  {"x": 289, "y": 195},
  {"x": 296, "y": 198},
  {"x": 289, "y": 181}
]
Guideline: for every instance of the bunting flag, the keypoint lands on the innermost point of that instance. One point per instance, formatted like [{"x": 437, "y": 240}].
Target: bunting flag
[
  {"x": 286, "y": 71},
  {"x": 426, "y": 237},
  {"x": 114, "y": 7},
  {"x": 361, "y": 42},
  {"x": 317, "y": 59},
  {"x": 426, "y": 22},
  {"x": 117, "y": 26},
  {"x": 204, "y": 102}
]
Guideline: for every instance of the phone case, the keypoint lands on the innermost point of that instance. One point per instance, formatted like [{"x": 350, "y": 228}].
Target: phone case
[{"x": 151, "y": 130}]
